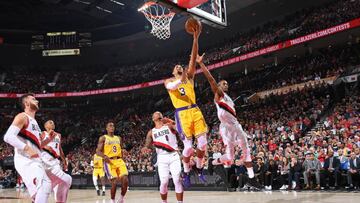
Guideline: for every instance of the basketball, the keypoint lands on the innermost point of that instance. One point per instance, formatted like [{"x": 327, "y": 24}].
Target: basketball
[{"x": 191, "y": 25}]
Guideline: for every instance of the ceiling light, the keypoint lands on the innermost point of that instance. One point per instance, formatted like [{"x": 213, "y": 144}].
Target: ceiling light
[{"x": 119, "y": 3}]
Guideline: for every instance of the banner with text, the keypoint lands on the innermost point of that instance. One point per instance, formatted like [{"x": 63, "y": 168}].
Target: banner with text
[{"x": 289, "y": 43}]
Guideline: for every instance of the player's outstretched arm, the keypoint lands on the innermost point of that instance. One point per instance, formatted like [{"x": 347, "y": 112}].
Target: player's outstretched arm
[
  {"x": 214, "y": 86},
  {"x": 62, "y": 156},
  {"x": 194, "y": 53},
  {"x": 100, "y": 149}
]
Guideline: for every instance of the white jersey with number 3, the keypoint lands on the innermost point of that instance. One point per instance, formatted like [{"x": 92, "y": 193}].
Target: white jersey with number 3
[{"x": 164, "y": 140}]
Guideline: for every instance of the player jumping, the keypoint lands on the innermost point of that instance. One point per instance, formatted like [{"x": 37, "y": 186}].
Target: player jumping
[
  {"x": 230, "y": 129},
  {"x": 190, "y": 121}
]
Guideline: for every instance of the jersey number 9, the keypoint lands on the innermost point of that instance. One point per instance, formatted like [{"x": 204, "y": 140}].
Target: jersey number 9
[{"x": 114, "y": 149}]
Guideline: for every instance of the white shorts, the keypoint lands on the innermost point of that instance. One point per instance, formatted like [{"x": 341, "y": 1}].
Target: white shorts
[
  {"x": 53, "y": 169},
  {"x": 234, "y": 135},
  {"x": 169, "y": 163},
  {"x": 49, "y": 160},
  {"x": 32, "y": 172}
]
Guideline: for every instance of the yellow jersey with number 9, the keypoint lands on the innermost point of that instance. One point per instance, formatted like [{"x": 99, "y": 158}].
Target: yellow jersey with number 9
[
  {"x": 184, "y": 95},
  {"x": 112, "y": 147}
]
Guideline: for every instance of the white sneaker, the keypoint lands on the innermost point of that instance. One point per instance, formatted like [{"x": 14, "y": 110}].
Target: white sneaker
[
  {"x": 283, "y": 187},
  {"x": 293, "y": 184}
]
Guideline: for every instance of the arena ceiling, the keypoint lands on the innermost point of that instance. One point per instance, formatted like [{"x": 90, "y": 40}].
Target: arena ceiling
[{"x": 75, "y": 14}]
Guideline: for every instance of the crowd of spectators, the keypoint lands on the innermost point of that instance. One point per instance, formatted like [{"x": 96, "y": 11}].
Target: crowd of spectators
[
  {"x": 328, "y": 157},
  {"x": 277, "y": 127},
  {"x": 58, "y": 78},
  {"x": 7, "y": 178}
]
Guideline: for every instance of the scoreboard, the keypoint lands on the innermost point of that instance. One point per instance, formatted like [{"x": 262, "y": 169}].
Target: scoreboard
[{"x": 61, "y": 43}]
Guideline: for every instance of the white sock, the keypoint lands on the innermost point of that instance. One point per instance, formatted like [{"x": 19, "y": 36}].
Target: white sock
[
  {"x": 164, "y": 201},
  {"x": 199, "y": 162},
  {"x": 103, "y": 188},
  {"x": 113, "y": 201},
  {"x": 179, "y": 201},
  {"x": 96, "y": 187},
  {"x": 186, "y": 167},
  {"x": 250, "y": 172}
]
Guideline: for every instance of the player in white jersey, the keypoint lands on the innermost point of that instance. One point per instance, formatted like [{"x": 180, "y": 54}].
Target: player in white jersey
[
  {"x": 61, "y": 182},
  {"x": 230, "y": 129},
  {"x": 24, "y": 135},
  {"x": 163, "y": 138}
]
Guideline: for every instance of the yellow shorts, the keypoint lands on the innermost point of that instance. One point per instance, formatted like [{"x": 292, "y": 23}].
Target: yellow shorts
[
  {"x": 98, "y": 172},
  {"x": 115, "y": 169},
  {"x": 190, "y": 122}
]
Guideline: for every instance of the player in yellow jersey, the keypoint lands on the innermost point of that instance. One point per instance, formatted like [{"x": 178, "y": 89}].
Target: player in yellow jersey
[
  {"x": 109, "y": 148},
  {"x": 189, "y": 120},
  {"x": 98, "y": 172}
]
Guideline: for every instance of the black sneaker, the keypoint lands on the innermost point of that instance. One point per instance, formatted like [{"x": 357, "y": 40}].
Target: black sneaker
[
  {"x": 98, "y": 192},
  {"x": 254, "y": 185},
  {"x": 210, "y": 166},
  {"x": 103, "y": 193}
]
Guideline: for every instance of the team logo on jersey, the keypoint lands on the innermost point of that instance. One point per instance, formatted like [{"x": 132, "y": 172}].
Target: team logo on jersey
[
  {"x": 35, "y": 127},
  {"x": 161, "y": 133}
]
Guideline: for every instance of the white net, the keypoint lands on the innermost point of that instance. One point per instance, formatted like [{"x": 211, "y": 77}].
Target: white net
[{"x": 160, "y": 18}]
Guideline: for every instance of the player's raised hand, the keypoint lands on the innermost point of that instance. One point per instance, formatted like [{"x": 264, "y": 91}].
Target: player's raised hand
[
  {"x": 199, "y": 59},
  {"x": 52, "y": 134},
  {"x": 197, "y": 31},
  {"x": 166, "y": 120}
]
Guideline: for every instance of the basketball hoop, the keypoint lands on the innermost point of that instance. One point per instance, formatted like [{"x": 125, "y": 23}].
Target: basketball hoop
[{"x": 160, "y": 18}]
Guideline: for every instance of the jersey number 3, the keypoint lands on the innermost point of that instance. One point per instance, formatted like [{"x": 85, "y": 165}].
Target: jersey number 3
[{"x": 182, "y": 91}]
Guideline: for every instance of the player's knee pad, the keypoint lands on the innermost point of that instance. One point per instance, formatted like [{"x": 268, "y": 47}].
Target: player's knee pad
[
  {"x": 164, "y": 186},
  {"x": 188, "y": 148},
  {"x": 202, "y": 142},
  {"x": 178, "y": 185}
]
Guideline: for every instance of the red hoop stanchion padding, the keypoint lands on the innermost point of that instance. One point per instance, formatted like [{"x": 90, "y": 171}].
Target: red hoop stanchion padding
[{"x": 190, "y": 3}]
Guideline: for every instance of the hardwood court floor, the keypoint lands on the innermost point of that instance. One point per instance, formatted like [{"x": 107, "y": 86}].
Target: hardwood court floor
[{"x": 146, "y": 196}]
